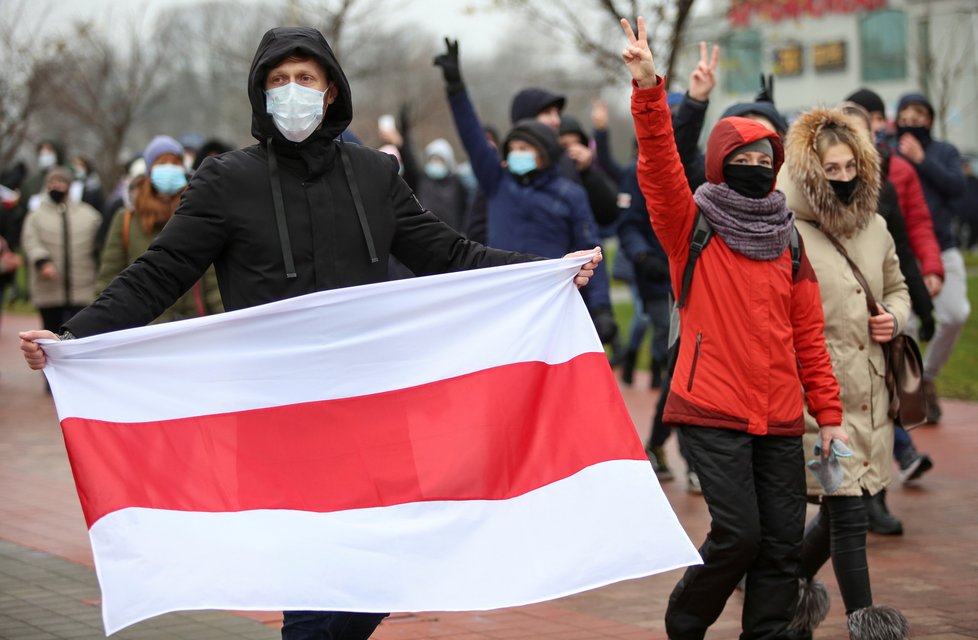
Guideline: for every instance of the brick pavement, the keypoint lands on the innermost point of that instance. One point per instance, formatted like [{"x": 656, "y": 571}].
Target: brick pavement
[{"x": 48, "y": 589}]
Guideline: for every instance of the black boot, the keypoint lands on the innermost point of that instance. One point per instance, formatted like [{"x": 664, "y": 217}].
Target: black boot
[
  {"x": 628, "y": 367},
  {"x": 880, "y": 519},
  {"x": 657, "y": 373}
]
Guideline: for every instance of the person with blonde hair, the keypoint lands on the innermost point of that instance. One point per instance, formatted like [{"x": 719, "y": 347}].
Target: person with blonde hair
[{"x": 831, "y": 180}]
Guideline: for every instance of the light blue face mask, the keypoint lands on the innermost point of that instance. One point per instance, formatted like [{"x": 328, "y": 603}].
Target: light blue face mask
[
  {"x": 436, "y": 170},
  {"x": 521, "y": 162},
  {"x": 168, "y": 178}
]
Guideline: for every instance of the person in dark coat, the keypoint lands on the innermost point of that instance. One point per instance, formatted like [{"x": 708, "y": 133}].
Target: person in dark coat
[
  {"x": 532, "y": 208},
  {"x": 939, "y": 166},
  {"x": 964, "y": 208},
  {"x": 296, "y": 213}
]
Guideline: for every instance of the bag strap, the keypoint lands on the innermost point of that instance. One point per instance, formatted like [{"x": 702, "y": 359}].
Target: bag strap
[
  {"x": 870, "y": 300},
  {"x": 702, "y": 232},
  {"x": 126, "y": 225}
]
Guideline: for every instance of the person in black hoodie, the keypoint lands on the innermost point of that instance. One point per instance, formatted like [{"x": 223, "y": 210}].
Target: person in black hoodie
[{"x": 296, "y": 213}]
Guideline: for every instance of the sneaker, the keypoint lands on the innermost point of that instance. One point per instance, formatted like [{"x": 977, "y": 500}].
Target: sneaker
[
  {"x": 915, "y": 467},
  {"x": 657, "y": 456},
  {"x": 693, "y": 483}
]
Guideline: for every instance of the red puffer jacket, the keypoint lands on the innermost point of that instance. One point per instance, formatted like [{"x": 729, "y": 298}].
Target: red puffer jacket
[
  {"x": 920, "y": 226},
  {"x": 751, "y": 334}
]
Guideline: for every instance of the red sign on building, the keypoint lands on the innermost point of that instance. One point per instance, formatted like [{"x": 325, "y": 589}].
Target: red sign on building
[{"x": 742, "y": 11}]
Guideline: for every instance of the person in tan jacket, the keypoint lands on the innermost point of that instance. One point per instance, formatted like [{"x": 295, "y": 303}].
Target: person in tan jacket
[
  {"x": 59, "y": 242},
  {"x": 832, "y": 183}
]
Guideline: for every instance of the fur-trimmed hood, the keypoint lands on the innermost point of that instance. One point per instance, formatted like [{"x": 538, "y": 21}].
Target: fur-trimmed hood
[{"x": 804, "y": 183}]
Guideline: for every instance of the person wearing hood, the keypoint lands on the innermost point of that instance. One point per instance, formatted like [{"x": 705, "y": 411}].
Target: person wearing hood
[
  {"x": 532, "y": 206},
  {"x": 435, "y": 182},
  {"x": 913, "y": 464},
  {"x": 750, "y": 339},
  {"x": 296, "y": 213},
  {"x": 577, "y": 163},
  {"x": 59, "y": 243},
  {"x": 938, "y": 165},
  {"x": 154, "y": 200},
  {"x": 831, "y": 180}
]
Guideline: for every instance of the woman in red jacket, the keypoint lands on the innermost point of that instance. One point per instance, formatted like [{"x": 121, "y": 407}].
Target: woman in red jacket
[{"x": 751, "y": 338}]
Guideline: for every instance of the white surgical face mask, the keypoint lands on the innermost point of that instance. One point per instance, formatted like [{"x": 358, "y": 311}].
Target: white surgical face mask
[
  {"x": 46, "y": 159},
  {"x": 296, "y": 110}
]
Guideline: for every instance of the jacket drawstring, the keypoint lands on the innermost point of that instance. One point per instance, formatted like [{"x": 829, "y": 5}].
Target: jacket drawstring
[
  {"x": 283, "y": 230},
  {"x": 358, "y": 203}
]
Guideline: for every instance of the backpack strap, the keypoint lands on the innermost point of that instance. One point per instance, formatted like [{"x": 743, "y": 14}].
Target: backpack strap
[
  {"x": 126, "y": 225},
  {"x": 795, "y": 246},
  {"x": 702, "y": 232}
]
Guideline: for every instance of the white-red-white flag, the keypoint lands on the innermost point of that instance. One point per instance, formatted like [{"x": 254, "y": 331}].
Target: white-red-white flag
[{"x": 456, "y": 442}]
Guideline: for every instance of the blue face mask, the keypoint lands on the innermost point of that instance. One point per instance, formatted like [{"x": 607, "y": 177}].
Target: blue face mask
[
  {"x": 168, "y": 178},
  {"x": 436, "y": 170},
  {"x": 521, "y": 162}
]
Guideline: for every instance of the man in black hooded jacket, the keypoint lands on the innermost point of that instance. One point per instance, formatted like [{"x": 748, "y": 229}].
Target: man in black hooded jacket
[{"x": 296, "y": 213}]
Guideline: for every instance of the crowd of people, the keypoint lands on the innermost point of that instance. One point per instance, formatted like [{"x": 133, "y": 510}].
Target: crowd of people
[{"x": 768, "y": 280}]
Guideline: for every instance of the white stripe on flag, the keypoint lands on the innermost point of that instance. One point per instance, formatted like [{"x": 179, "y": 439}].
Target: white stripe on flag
[{"x": 607, "y": 523}]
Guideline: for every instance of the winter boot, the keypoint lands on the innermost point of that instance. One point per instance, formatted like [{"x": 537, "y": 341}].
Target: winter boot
[
  {"x": 657, "y": 455},
  {"x": 657, "y": 366},
  {"x": 878, "y": 623},
  {"x": 933, "y": 407},
  {"x": 628, "y": 367},
  {"x": 813, "y": 605},
  {"x": 913, "y": 465},
  {"x": 880, "y": 519}
]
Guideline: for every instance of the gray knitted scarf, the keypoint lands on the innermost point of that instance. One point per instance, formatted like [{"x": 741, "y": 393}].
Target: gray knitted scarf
[{"x": 757, "y": 228}]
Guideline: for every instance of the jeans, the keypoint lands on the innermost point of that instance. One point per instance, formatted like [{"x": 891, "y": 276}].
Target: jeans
[
  {"x": 754, "y": 487},
  {"x": 329, "y": 625}
]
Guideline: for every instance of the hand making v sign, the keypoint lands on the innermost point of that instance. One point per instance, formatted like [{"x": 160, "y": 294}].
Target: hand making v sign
[{"x": 638, "y": 56}]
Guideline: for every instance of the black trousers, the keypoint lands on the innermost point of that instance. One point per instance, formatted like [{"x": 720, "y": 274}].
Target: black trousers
[
  {"x": 329, "y": 625},
  {"x": 838, "y": 531},
  {"x": 754, "y": 487}
]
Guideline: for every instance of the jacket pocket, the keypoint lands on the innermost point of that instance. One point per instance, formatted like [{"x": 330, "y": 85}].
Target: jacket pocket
[{"x": 696, "y": 359}]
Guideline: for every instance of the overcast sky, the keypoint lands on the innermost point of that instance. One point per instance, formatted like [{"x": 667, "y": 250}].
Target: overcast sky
[{"x": 463, "y": 19}]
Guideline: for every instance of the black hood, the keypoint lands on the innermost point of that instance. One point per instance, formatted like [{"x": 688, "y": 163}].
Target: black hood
[
  {"x": 766, "y": 109},
  {"x": 278, "y": 44},
  {"x": 570, "y": 124},
  {"x": 539, "y": 135},
  {"x": 529, "y": 102}
]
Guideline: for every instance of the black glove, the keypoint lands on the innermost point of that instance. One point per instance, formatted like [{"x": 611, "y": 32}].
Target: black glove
[
  {"x": 651, "y": 268},
  {"x": 450, "y": 68},
  {"x": 926, "y": 327},
  {"x": 766, "y": 93},
  {"x": 404, "y": 119},
  {"x": 604, "y": 324}
]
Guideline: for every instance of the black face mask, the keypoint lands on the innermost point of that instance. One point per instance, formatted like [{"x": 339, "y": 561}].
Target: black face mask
[
  {"x": 57, "y": 195},
  {"x": 921, "y": 133},
  {"x": 845, "y": 191},
  {"x": 749, "y": 180}
]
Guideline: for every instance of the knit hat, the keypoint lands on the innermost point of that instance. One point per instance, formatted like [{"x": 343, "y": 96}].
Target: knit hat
[
  {"x": 158, "y": 146},
  {"x": 868, "y": 100},
  {"x": 762, "y": 145},
  {"x": 537, "y": 134},
  {"x": 57, "y": 171},
  {"x": 764, "y": 109},
  {"x": 532, "y": 101}
]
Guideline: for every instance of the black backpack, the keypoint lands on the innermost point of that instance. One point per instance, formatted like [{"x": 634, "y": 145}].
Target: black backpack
[{"x": 702, "y": 233}]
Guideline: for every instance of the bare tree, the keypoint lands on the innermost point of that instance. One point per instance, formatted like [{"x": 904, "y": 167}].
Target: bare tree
[
  {"x": 592, "y": 26},
  {"x": 21, "y": 79},
  {"x": 941, "y": 72},
  {"x": 103, "y": 87}
]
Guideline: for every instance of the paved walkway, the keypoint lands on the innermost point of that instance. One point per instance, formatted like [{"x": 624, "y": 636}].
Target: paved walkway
[{"x": 48, "y": 589}]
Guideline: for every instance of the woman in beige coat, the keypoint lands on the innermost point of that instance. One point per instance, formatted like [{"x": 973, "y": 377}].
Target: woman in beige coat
[
  {"x": 59, "y": 242},
  {"x": 832, "y": 183}
]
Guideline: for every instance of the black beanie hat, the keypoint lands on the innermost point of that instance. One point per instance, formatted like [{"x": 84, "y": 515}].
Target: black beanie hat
[{"x": 868, "y": 100}]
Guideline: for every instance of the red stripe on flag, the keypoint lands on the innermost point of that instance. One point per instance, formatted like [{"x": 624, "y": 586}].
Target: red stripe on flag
[{"x": 487, "y": 435}]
